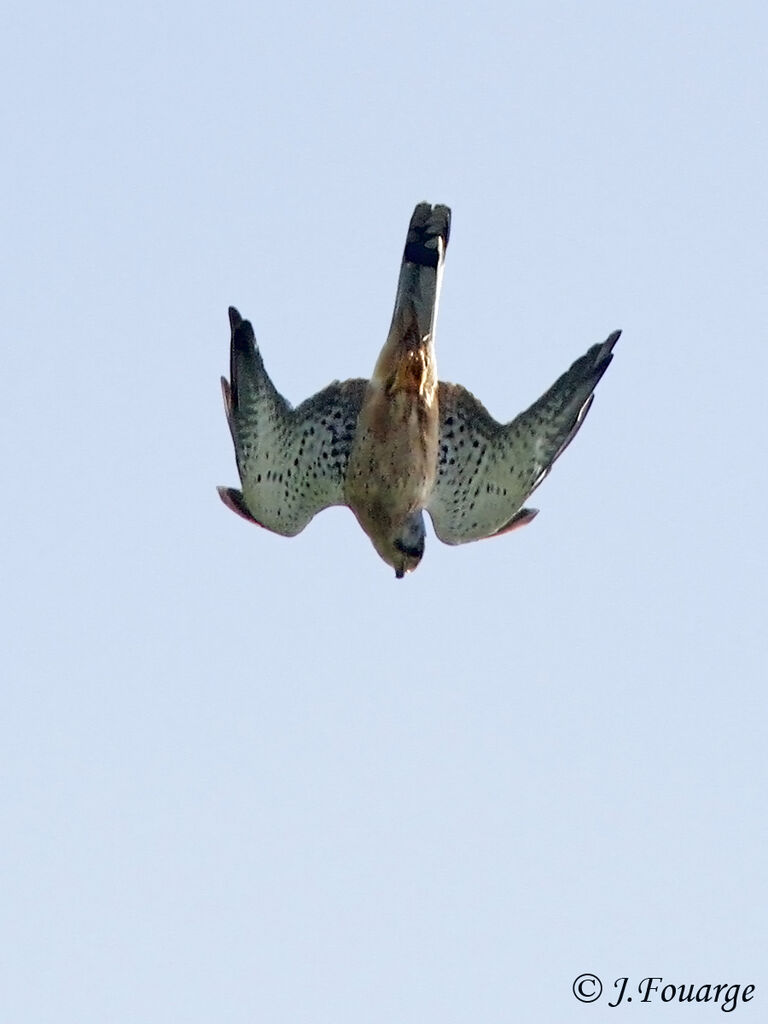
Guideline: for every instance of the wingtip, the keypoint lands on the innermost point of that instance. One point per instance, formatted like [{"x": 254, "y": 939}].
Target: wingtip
[
  {"x": 606, "y": 349},
  {"x": 603, "y": 354},
  {"x": 243, "y": 337}
]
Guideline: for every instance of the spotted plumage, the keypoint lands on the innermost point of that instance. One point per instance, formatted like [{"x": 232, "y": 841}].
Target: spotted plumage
[{"x": 401, "y": 442}]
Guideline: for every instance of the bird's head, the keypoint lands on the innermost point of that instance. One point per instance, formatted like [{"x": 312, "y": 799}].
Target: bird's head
[
  {"x": 399, "y": 542},
  {"x": 406, "y": 545}
]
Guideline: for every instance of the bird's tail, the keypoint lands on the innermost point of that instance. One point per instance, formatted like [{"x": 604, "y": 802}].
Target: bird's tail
[
  {"x": 418, "y": 287},
  {"x": 429, "y": 227}
]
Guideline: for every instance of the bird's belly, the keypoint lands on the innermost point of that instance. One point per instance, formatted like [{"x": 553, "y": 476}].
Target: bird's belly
[{"x": 393, "y": 462}]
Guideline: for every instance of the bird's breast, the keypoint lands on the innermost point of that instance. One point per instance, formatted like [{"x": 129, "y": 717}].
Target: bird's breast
[{"x": 394, "y": 459}]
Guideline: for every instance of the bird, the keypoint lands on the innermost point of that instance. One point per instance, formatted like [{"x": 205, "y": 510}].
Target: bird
[{"x": 403, "y": 442}]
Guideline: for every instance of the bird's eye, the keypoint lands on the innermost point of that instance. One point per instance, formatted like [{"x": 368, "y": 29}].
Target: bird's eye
[{"x": 412, "y": 552}]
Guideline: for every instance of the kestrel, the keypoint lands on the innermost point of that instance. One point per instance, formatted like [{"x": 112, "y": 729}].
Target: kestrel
[{"x": 402, "y": 442}]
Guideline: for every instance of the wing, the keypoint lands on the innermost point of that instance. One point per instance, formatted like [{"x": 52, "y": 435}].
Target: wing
[
  {"x": 292, "y": 462},
  {"x": 486, "y": 470}
]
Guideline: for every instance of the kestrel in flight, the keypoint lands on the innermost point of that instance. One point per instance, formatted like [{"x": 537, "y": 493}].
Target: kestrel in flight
[{"x": 402, "y": 442}]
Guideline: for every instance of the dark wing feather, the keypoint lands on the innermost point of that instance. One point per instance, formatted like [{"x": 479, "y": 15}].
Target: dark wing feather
[{"x": 486, "y": 470}]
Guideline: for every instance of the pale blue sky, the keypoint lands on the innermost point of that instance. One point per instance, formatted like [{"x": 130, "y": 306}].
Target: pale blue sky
[{"x": 251, "y": 779}]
